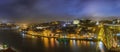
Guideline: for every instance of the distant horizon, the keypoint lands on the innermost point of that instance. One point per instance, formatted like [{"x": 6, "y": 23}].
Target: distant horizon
[{"x": 94, "y": 18}]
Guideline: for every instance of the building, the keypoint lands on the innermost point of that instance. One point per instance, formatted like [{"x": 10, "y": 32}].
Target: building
[{"x": 76, "y": 21}]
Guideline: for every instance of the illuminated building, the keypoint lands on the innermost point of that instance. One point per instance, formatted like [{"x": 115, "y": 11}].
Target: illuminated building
[{"x": 76, "y": 21}]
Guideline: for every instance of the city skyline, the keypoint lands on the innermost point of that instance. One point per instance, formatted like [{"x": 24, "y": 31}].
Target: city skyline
[{"x": 59, "y": 26}]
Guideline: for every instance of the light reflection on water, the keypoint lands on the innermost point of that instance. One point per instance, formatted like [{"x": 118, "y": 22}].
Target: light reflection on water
[
  {"x": 25, "y": 43},
  {"x": 49, "y": 42},
  {"x": 46, "y": 42},
  {"x": 73, "y": 45},
  {"x": 101, "y": 46}
]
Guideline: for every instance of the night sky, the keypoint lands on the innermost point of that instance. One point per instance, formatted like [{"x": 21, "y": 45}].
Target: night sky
[{"x": 47, "y": 10}]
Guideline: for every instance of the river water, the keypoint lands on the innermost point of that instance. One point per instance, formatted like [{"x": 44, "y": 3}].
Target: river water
[{"x": 23, "y": 43}]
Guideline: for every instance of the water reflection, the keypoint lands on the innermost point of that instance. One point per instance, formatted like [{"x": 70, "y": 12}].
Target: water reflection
[
  {"x": 46, "y": 42},
  {"x": 41, "y": 44},
  {"x": 50, "y": 42},
  {"x": 23, "y": 34},
  {"x": 79, "y": 43},
  {"x": 74, "y": 44},
  {"x": 100, "y": 44}
]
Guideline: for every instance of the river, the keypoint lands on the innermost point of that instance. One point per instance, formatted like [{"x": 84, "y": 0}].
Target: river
[{"x": 23, "y": 43}]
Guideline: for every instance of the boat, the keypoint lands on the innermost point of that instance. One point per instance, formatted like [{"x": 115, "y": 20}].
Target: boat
[{"x": 62, "y": 40}]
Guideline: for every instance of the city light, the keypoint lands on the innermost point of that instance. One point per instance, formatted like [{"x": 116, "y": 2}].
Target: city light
[{"x": 59, "y": 26}]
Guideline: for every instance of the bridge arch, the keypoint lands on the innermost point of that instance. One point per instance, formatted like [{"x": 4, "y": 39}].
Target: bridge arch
[{"x": 108, "y": 35}]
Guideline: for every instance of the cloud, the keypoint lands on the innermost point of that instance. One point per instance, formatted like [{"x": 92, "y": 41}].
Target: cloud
[{"x": 57, "y": 9}]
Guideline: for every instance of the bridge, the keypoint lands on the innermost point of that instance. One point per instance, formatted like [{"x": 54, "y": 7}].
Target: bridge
[{"x": 108, "y": 35}]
